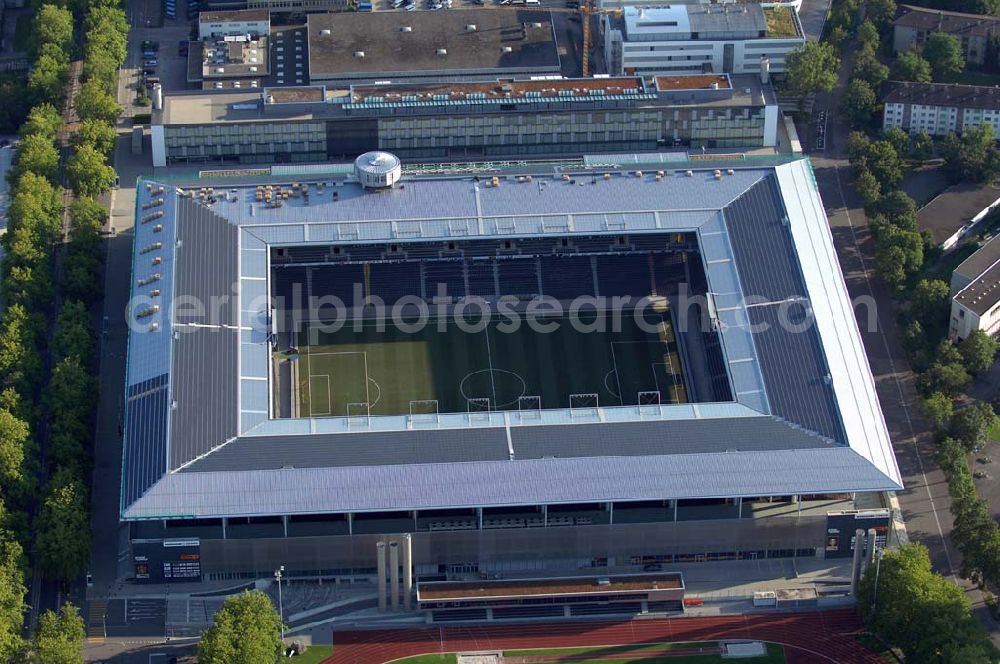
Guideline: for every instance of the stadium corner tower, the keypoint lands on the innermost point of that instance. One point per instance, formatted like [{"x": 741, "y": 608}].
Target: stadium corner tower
[{"x": 532, "y": 371}]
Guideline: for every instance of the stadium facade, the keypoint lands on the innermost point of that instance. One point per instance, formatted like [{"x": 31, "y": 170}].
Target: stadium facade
[{"x": 773, "y": 443}]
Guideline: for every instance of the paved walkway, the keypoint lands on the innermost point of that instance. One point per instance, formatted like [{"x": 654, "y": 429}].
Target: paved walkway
[{"x": 819, "y": 636}]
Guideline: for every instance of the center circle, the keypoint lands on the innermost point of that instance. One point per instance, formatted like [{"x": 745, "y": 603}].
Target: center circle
[{"x": 481, "y": 384}]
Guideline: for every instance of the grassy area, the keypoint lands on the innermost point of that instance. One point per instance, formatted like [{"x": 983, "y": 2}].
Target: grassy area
[
  {"x": 428, "y": 659},
  {"x": 23, "y": 31},
  {"x": 994, "y": 431},
  {"x": 780, "y": 22},
  {"x": 633, "y": 654},
  {"x": 314, "y": 655}
]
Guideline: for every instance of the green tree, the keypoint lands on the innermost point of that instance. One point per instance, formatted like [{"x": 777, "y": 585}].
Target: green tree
[
  {"x": 100, "y": 66},
  {"x": 859, "y": 102},
  {"x": 246, "y": 630},
  {"x": 970, "y": 425},
  {"x": 43, "y": 120},
  {"x": 38, "y": 154},
  {"x": 97, "y": 134},
  {"x": 867, "y": 187},
  {"x": 20, "y": 362},
  {"x": 923, "y": 146},
  {"x": 12, "y": 592},
  {"x": 978, "y": 350},
  {"x": 812, "y": 68},
  {"x": 973, "y": 158},
  {"x": 880, "y": 12},
  {"x": 899, "y": 140},
  {"x": 944, "y": 54},
  {"x": 857, "y": 147},
  {"x": 13, "y": 441},
  {"x": 87, "y": 172},
  {"x": 96, "y": 103},
  {"x": 930, "y": 303},
  {"x": 919, "y": 611},
  {"x": 73, "y": 336},
  {"x": 868, "y": 68},
  {"x": 911, "y": 66},
  {"x": 868, "y": 39},
  {"x": 885, "y": 164},
  {"x": 938, "y": 408},
  {"x": 63, "y": 528},
  {"x": 106, "y": 27},
  {"x": 898, "y": 255},
  {"x": 60, "y": 636},
  {"x": 47, "y": 79},
  {"x": 54, "y": 25},
  {"x": 946, "y": 373}
]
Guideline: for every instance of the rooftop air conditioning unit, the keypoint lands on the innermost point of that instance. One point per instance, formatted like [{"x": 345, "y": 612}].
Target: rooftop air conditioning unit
[
  {"x": 471, "y": 28},
  {"x": 536, "y": 25},
  {"x": 506, "y": 49},
  {"x": 406, "y": 28},
  {"x": 359, "y": 54},
  {"x": 442, "y": 51},
  {"x": 324, "y": 33}
]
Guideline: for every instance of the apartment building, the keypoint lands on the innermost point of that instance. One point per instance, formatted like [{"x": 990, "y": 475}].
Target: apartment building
[
  {"x": 975, "y": 298},
  {"x": 913, "y": 25},
  {"x": 499, "y": 118},
  {"x": 696, "y": 39},
  {"x": 939, "y": 108}
]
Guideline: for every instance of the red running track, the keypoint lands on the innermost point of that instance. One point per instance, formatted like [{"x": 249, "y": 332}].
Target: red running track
[{"x": 819, "y": 636}]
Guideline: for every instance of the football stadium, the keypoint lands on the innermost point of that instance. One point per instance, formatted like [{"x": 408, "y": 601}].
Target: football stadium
[{"x": 532, "y": 369}]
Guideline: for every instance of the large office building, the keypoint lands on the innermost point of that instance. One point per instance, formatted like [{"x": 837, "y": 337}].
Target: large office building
[
  {"x": 913, "y": 25},
  {"x": 939, "y": 108},
  {"x": 458, "y": 44},
  {"x": 455, "y": 120},
  {"x": 673, "y": 372},
  {"x": 695, "y": 39}
]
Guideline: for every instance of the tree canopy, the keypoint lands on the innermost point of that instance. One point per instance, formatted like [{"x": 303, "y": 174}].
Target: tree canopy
[
  {"x": 99, "y": 135},
  {"x": 54, "y": 25},
  {"x": 978, "y": 350},
  {"x": 88, "y": 173},
  {"x": 919, "y": 611},
  {"x": 974, "y": 157},
  {"x": 859, "y": 102},
  {"x": 944, "y": 54},
  {"x": 812, "y": 68},
  {"x": 93, "y": 101},
  {"x": 43, "y": 120},
  {"x": 59, "y": 638},
  {"x": 911, "y": 66},
  {"x": 63, "y": 538},
  {"x": 246, "y": 630}
]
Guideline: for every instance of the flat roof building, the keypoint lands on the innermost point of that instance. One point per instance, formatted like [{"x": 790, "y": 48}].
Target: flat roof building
[
  {"x": 975, "y": 290},
  {"x": 218, "y": 24},
  {"x": 240, "y": 434},
  {"x": 695, "y": 39},
  {"x": 459, "y": 44},
  {"x": 455, "y": 119}
]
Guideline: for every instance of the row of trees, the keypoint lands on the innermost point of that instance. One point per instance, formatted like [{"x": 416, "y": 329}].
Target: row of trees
[
  {"x": 923, "y": 614},
  {"x": 64, "y": 403}
]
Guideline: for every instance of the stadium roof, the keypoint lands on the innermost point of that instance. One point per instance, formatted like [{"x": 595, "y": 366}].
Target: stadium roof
[{"x": 199, "y": 441}]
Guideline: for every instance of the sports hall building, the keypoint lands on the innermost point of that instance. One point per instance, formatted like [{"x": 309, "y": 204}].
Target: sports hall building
[{"x": 311, "y": 368}]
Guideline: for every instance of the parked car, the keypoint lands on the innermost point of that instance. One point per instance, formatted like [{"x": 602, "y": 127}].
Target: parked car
[
  {"x": 981, "y": 475},
  {"x": 149, "y": 45},
  {"x": 985, "y": 459},
  {"x": 151, "y": 63}
]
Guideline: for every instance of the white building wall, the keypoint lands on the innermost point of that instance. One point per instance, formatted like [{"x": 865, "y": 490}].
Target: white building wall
[
  {"x": 691, "y": 57},
  {"x": 771, "y": 126},
  {"x": 233, "y": 28}
]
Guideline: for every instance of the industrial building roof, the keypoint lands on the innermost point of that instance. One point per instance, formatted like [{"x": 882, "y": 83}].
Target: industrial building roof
[
  {"x": 708, "y": 22},
  {"x": 950, "y": 95},
  {"x": 954, "y": 23},
  {"x": 391, "y": 45},
  {"x": 199, "y": 441},
  {"x": 235, "y": 16}
]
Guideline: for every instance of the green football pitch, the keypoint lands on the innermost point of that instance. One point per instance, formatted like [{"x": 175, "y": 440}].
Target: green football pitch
[{"x": 443, "y": 368}]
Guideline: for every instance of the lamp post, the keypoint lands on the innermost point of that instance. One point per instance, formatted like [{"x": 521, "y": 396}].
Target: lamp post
[
  {"x": 281, "y": 610},
  {"x": 878, "y": 567}
]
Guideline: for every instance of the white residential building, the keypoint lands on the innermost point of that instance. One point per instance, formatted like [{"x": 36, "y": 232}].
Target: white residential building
[
  {"x": 216, "y": 24},
  {"x": 694, "y": 39},
  {"x": 940, "y": 108}
]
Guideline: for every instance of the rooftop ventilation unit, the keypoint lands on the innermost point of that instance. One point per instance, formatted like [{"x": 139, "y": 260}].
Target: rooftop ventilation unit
[
  {"x": 506, "y": 49},
  {"x": 359, "y": 54},
  {"x": 471, "y": 27},
  {"x": 324, "y": 33},
  {"x": 536, "y": 25},
  {"x": 442, "y": 51},
  {"x": 378, "y": 170},
  {"x": 406, "y": 28}
]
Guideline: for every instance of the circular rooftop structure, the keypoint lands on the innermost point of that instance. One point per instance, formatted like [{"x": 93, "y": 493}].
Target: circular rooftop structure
[{"x": 377, "y": 169}]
